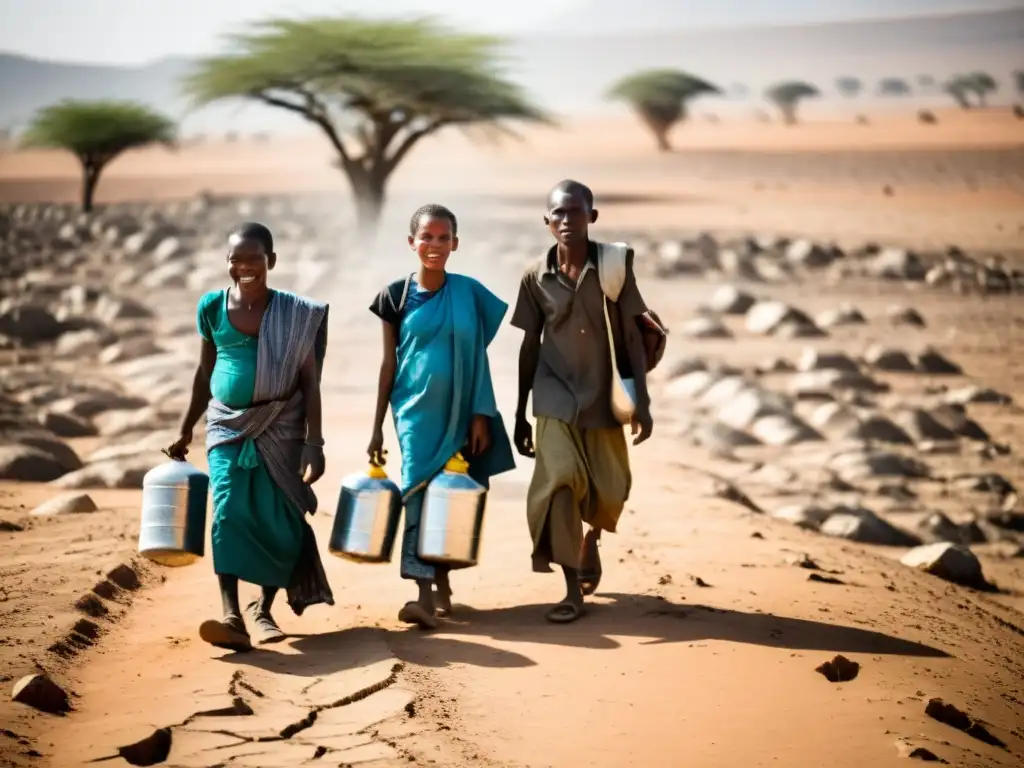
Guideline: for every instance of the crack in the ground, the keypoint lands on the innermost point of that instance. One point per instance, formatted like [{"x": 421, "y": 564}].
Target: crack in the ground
[{"x": 295, "y": 728}]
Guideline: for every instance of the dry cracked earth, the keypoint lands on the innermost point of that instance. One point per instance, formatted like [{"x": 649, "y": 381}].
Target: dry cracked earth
[{"x": 866, "y": 395}]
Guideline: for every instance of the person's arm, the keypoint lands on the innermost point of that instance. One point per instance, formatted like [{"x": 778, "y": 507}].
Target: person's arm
[
  {"x": 528, "y": 317},
  {"x": 529, "y": 357},
  {"x": 313, "y": 463},
  {"x": 309, "y": 384},
  {"x": 198, "y": 402},
  {"x": 385, "y": 383},
  {"x": 631, "y": 306}
]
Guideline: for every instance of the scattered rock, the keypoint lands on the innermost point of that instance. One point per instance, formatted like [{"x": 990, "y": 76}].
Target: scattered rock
[
  {"x": 40, "y": 692},
  {"x": 7, "y": 526},
  {"x": 899, "y": 315},
  {"x": 69, "y": 504},
  {"x": 767, "y": 318},
  {"x": 705, "y": 327},
  {"x": 890, "y": 360},
  {"x": 974, "y": 394},
  {"x": 66, "y": 425},
  {"x": 28, "y": 464},
  {"x": 839, "y": 670},
  {"x": 934, "y": 362},
  {"x": 918, "y": 753},
  {"x": 937, "y": 528},
  {"x": 845, "y": 314},
  {"x": 729, "y": 300},
  {"x": 815, "y": 360},
  {"x": 921, "y": 425},
  {"x": 865, "y": 527},
  {"x": 948, "y": 561},
  {"x": 805, "y": 253},
  {"x": 949, "y": 715},
  {"x": 896, "y": 264},
  {"x": 825, "y": 579},
  {"x": 807, "y": 516},
  {"x": 855, "y": 465},
  {"x": 115, "y": 473},
  {"x": 782, "y": 429}
]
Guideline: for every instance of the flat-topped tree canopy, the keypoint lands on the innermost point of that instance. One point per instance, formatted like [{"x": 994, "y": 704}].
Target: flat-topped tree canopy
[
  {"x": 659, "y": 97},
  {"x": 96, "y": 132},
  {"x": 374, "y": 87}
]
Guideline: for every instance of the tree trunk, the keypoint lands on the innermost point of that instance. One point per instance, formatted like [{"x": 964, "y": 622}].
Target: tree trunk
[
  {"x": 90, "y": 178},
  {"x": 788, "y": 113},
  {"x": 368, "y": 190},
  {"x": 661, "y": 136}
]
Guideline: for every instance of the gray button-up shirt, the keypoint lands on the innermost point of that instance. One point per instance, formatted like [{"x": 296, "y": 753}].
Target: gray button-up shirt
[{"x": 573, "y": 379}]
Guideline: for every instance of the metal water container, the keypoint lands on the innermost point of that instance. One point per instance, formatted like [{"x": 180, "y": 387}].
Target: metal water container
[
  {"x": 366, "y": 523},
  {"x": 173, "y": 527},
  {"x": 453, "y": 517}
]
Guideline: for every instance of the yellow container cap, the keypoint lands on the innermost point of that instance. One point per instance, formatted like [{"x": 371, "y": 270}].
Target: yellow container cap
[
  {"x": 457, "y": 464},
  {"x": 377, "y": 472}
]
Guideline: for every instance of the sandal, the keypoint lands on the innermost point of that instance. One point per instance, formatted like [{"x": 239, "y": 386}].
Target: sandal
[
  {"x": 590, "y": 567},
  {"x": 270, "y": 632},
  {"x": 414, "y": 613},
  {"x": 225, "y": 634},
  {"x": 564, "y": 613}
]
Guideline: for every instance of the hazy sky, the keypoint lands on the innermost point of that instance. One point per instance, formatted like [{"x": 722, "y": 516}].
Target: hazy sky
[
  {"x": 139, "y": 31},
  {"x": 136, "y": 31}
]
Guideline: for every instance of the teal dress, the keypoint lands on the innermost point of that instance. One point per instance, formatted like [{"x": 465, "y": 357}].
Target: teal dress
[{"x": 257, "y": 532}]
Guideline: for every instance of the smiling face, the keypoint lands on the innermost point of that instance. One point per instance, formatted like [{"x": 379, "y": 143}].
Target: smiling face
[
  {"x": 248, "y": 264},
  {"x": 569, "y": 216},
  {"x": 434, "y": 242}
]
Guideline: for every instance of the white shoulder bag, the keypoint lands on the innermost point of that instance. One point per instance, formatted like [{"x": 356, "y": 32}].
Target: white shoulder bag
[{"x": 611, "y": 272}]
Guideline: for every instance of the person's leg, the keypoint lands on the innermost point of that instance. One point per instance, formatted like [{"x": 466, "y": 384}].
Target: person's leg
[
  {"x": 564, "y": 517},
  {"x": 610, "y": 481},
  {"x": 259, "y": 611},
  {"x": 590, "y": 561},
  {"x": 421, "y": 611},
  {"x": 443, "y": 595},
  {"x": 230, "y": 632}
]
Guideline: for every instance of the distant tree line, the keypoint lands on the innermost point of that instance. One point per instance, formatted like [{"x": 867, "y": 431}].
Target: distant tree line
[{"x": 375, "y": 89}]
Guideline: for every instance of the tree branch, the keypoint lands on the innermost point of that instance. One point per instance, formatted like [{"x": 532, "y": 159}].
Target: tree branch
[
  {"x": 409, "y": 142},
  {"x": 313, "y": 111}
]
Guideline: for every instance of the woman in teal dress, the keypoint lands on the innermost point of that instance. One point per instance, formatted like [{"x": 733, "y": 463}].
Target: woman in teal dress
[
  {"x": 436, "y": 378},
  {"x": 259, "y": 382}
]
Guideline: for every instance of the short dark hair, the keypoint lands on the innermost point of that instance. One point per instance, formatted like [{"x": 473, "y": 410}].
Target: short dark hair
[
  {"x": 433, "y": 211},
  {"x": 572, "y": 187},
  {"x": 253, "y": 230}
]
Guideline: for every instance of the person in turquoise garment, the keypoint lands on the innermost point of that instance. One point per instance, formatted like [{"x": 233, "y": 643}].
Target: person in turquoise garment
[
  {"x": 258, "y": 380},
  {"x": 436, "y": 378}
]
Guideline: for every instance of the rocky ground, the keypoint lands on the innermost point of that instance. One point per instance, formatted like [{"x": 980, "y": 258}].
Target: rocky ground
[{"x": 866, "y": 398}]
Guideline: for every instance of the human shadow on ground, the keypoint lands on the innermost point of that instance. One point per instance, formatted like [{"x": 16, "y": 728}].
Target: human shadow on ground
[
  {"x": 355, "y": 647},
  {"x": 647, "y": 616}
]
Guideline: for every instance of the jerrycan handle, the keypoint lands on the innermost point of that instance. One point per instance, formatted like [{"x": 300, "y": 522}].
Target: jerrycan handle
[{"x": 377, "y": 462}]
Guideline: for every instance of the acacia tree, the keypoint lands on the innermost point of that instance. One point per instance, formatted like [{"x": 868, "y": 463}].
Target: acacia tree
[
  {"x": 848, "y": 86},
  {"x": 786, "y": 96},
  {"x": 893, "y": 86},
  {"x": 978, "y": 84},
  {"x": 374, "y": 88},
  {"x": 96, "y": 132},
  {"x": 660, "y": 98}
]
